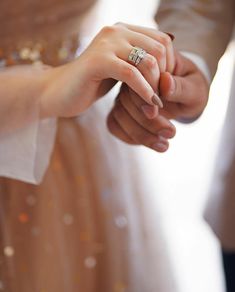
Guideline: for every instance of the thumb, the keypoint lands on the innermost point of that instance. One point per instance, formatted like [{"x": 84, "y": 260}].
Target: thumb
[
  {"x": 186, "y": 84},
  {"x": 176, "y": 88}
]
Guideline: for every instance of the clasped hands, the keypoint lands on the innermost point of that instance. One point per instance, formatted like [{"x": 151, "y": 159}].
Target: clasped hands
[
  {"x": 181, "y": 87},
  {"x": 135, "y": 117}
]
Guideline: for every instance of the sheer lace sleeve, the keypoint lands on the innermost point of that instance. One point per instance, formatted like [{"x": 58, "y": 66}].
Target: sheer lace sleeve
[
  {"x": 25, "y": 153},
  {"x": 26, "y": 141},
  {"x": 32, "y": 32}
]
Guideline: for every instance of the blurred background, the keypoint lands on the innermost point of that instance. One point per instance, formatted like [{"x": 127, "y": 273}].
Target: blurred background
[{"x": 182, "y": 176}]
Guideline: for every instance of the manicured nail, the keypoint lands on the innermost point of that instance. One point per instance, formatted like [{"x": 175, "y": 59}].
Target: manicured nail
[
  {"x": 149, "y": 111},
  {"x": 172, "y": 85},
  {"x": 171, "y": 36},
  {"x": 166, "y": 133},
  {"x": 156, "y": 100},
  {"x": 160, "y": 146}
]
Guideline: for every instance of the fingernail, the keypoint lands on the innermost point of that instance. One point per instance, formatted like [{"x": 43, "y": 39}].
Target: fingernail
[
  {"x": 156, "y": 100},
  {"x": 149, "y": 111},
  {"x": 160, "y": 146},
  {"x": 172, "y": 85},
  {"x": 171, "y": 36},
  {"x": 166, "y": 133}
]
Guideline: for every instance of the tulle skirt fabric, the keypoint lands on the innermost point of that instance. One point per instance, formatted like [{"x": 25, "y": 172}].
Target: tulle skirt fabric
[{"x": 90, "y": 226}]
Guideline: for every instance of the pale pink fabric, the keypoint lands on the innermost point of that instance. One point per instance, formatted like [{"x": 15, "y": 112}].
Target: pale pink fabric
[{"x": 90, "y": 225}]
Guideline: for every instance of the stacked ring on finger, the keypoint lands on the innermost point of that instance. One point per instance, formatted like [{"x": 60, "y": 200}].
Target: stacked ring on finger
[{"x": 136, "y": 55}]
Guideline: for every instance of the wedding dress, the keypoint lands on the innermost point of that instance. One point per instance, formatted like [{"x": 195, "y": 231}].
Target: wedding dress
[{"x": 89, "y": 226}]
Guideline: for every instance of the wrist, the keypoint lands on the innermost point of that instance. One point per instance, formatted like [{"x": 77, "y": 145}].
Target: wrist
[
  {"x": 65, "y": 91},
  {"x": 46, "y": 94},
  {"x": 200, "y": 63}
]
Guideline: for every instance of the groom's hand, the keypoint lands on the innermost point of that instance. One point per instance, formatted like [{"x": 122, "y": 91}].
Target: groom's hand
[
  {"x": 135, "y": 122},
  {"x": 185, "y": 92}
]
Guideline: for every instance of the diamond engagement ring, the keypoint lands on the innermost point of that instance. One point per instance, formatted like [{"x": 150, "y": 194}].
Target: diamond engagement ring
[{"x": 136, "y": 55}]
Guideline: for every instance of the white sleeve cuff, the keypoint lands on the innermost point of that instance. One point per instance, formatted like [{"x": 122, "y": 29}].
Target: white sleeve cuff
[
  {"x": 200, "y": 63},
  {"x": 25, "y": 153}
]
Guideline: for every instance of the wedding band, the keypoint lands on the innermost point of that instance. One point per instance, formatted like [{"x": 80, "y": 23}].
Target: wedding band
[{"x": 136, "y": 55}]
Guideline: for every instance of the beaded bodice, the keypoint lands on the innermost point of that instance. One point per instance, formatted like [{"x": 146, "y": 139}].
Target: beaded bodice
[{"x": 32, "y": 30}]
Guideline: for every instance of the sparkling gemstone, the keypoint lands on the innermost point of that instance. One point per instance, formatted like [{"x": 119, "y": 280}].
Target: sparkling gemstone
[
  {"x": 35, "y": 231},
  {"x": 3, "y": 63},
  {"x": 9, "y": 251},
  {"x": 25, "y": 53},
  {"x": 68, "y": 219},
  {"x": 31, "y": 200},
  {"x": 38, "y": 47},
  {"x": 121, "y": 221},
  {"x": 90, "y": 262},
  {"x": 34, "y": 55},
  {"x": 1, "y": 286},
  {"x": 38, "y": 63},
  {"x": 63, "y": 53},
  {"x": 119, "y": 287},
  {"x": 15, "y": 56},
  {"x": 23, "y": 217}
]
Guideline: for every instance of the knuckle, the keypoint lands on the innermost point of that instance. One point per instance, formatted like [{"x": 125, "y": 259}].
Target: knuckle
[
  {"x": 120, "y": 24},
  {"x": 109, "y": 29},
  {"x": 161, "y": 50},
  {"x": 104, "y": 42},
  {"x": 166, "y": 40},
  {"x": 150, "y": 61},
  {"x": 128, "y": 72}
]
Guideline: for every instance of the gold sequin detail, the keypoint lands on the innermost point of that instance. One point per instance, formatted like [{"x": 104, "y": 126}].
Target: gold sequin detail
[
  {"x": 56, "y": 52},
  {"x": 90, "y": 262},
  {"x": 23, "y": 217},
  {"x": 68, "y": 219},
  {"x": 121, "y": 221},
  {"x": 9, "y": 251},
  {"x": 31, "y": 200},
  {"x": 85, "y": 236},
  {"x": 119, "y": 287}
]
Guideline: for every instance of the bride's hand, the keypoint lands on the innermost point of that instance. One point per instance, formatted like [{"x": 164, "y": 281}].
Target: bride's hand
[
  {"x": 72, "y": 88},
  {"x": 134, "y": 121}
]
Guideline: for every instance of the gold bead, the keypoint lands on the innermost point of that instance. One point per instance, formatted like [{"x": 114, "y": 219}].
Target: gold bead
[
  {"x": 63, "y": 53},
  {"x": 38, "y": 63},
  {"x": 9, "y": 251},
  {"x": 25, "y": 53},
  {"x": 34, "y": 55}
]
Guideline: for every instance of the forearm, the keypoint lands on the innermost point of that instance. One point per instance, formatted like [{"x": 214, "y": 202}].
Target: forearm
[{"x": 201, "y": 27}]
